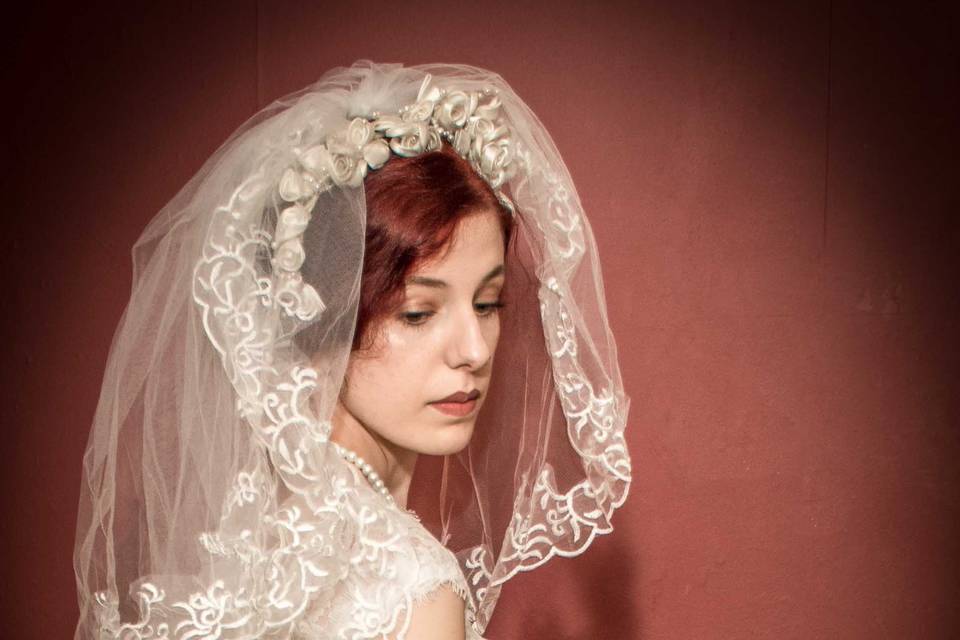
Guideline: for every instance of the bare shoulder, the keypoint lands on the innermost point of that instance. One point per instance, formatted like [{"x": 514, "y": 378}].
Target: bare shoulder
[{"x": 439, "y": 616}]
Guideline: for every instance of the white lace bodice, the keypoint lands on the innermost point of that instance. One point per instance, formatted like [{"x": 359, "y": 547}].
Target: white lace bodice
[{"x": 398, "y": 563}]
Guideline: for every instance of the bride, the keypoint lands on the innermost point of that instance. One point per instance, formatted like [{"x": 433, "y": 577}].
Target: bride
[{"x": 388, "y": 270}]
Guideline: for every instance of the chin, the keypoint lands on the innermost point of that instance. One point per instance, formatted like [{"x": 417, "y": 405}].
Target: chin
[{"x": 449, "y": 439}]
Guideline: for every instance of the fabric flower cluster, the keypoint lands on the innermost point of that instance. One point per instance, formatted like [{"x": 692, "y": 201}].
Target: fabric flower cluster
[{"x": 469, "y": 120}]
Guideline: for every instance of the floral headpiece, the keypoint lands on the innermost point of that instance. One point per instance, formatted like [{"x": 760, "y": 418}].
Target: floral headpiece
[{"x": 469, "y": 120}]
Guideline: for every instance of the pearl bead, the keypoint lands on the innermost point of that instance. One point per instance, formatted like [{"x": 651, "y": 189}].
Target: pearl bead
[{"x": 366, "y": 469}]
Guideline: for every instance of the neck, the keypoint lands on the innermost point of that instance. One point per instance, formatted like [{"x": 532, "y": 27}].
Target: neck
[{"x": 393, "y": 463}]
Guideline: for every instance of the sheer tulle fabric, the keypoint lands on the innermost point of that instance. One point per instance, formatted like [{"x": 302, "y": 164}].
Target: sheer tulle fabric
[{"x": 213, "y": 504}]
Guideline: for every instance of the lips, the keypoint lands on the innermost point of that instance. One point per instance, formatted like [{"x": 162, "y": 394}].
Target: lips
[
  {"x": 458, "y": 404},
  {"x": 459, "y": 397}
]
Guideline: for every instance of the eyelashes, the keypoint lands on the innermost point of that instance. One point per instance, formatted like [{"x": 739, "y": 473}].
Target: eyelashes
[
  {"x": 417, "y": 319},
  {"x": 490, "y": 308}
]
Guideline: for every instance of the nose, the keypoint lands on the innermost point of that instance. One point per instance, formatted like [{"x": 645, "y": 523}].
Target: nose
[{"x": 469, "y": 346}]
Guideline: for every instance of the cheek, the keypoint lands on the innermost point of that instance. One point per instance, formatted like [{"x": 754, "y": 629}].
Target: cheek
[
  {"x": 492, "y": 334},
  {"x": 383, "y": 386}
]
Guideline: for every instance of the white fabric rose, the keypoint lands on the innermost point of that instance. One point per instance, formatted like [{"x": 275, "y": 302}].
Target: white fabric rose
[
  {"x": 291, "y": 224},
  {"x": 413, "y": 143},
  {"x": 316, "y": 159},
  {"x": 490, "y": 109},
  {"x": 376, "y": 153},
  {"x": 293, "y": 186},
  {"x": 289, "y": 255},
  {"x": 455, "y": 108},
  {"x": 406, "y": 146},
  {"x": 494, "y": 158},
  {"x": 393, "y": 126},
  {"x": 481, "y": 132},
  {"x": 484, "y": 130},
  {"x": 360, "y": 132},
  {"x": 346, "y": 170}
]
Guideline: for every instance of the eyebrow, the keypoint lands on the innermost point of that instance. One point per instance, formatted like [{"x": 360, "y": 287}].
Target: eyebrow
[{"x": 440, "y": 284}]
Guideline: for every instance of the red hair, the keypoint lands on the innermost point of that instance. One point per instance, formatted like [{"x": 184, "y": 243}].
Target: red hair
[{"x": 413, "y": 208}]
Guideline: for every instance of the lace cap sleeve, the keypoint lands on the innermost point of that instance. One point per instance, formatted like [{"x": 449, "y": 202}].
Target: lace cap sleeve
[{"x": 394, "y": 564}]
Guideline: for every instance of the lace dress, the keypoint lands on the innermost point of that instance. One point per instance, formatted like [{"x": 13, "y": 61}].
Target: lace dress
[{"x": 397, "y": 564}]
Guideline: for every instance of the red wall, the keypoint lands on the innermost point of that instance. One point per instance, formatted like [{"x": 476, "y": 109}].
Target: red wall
[{"x": 769, "y": 184}]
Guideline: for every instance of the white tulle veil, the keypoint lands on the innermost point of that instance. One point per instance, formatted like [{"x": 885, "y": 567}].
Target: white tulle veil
[{"x": 209, "y": 507}]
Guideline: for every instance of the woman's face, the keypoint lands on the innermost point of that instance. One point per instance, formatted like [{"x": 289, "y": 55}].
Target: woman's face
[{"x": 440, "y": 342}]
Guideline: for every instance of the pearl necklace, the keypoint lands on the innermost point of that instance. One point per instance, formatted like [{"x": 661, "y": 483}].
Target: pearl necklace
[{"x": 366, "y": 469}]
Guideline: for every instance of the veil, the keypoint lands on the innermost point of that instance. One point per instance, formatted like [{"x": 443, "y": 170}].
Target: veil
[{"x": 210, "y": 507}]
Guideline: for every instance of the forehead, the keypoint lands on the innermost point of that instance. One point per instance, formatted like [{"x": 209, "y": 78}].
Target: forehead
[{"x": 476, "y": 247}]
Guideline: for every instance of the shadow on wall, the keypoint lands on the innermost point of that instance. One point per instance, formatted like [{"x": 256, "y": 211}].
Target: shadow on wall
[{"x": 605, "y": 587}]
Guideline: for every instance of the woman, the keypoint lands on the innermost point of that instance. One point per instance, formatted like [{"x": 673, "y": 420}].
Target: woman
[{"x": 318, "y": 308}]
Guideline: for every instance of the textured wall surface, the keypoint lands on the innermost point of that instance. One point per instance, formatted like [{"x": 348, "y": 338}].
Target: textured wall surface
[{"x": 770, "y": 185}]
